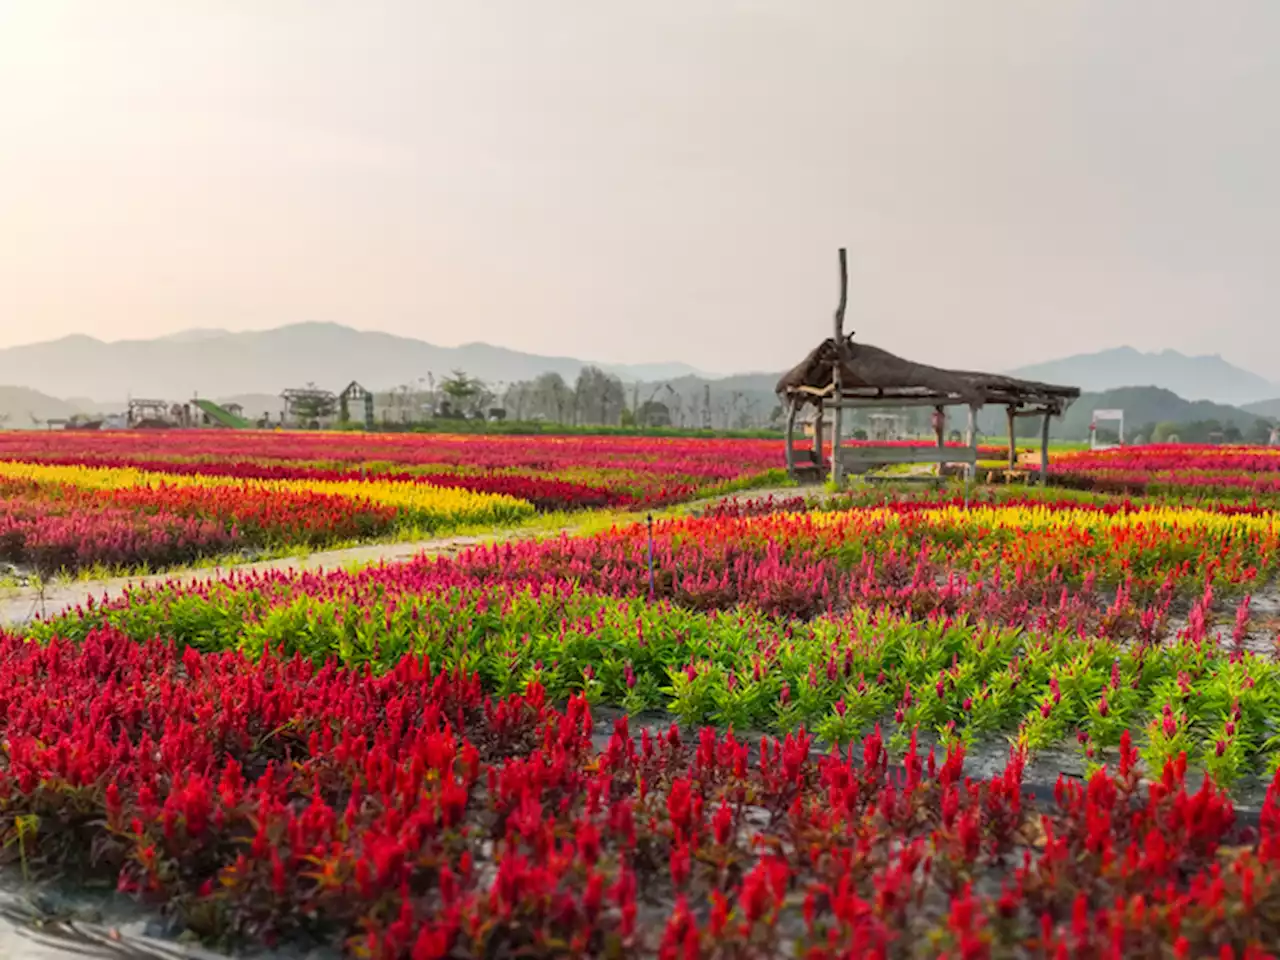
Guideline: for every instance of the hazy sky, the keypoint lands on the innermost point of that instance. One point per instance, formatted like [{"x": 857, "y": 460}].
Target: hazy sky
[{"x": 666, "y": 179}]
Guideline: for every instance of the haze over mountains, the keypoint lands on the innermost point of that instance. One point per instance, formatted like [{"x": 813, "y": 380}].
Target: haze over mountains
[
  {"x": 1192, "y": 378},
  {"x": 220, "y": 363},
  {"x": 256, "y": 366}
]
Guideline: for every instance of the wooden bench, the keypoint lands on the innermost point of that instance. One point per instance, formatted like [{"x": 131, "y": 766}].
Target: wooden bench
[
  {"x": 860, "y": 459},
  {"x": 912, "y": 479}
]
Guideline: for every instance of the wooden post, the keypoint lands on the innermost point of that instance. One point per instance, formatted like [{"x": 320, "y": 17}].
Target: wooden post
[
  {"x": 837, "y": 469},
  {"x": 791, "y": 437},
  {"x": 817, "y": 438},
  {"x": 1044, "y": 449},
  {"x": 1013, "y": 438}
]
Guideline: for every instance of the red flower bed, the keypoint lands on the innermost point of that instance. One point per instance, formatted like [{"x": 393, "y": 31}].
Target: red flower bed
[
  {"x": 544, "y": 493},
  {"x": 49, "y": 540},
  {"x": 1173, "y": 468},
  {"x": 413, "y": 818},
  {"x": 68, "y": 528}
]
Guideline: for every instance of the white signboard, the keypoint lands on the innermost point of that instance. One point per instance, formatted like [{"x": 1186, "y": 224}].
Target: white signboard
[{"x": 1093, "y": 427}]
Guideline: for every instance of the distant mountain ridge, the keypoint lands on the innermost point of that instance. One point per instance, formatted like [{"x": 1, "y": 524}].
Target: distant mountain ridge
[
  {"x": 219, "y": 363},
  {"x": 255, "y": 367},
  {"x": 1265, "y": 408},
  {"x": 1191, "y": 377},
  {"x": 1142, "y": 407}
]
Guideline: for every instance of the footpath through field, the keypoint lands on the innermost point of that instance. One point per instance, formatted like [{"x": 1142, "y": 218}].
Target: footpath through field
[{"x": 24, "y": 604}]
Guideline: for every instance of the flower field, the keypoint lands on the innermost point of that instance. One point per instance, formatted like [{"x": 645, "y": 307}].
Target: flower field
[
  {"x": 1039, "y": 726},
  {"x": 77, "y": 500},
  {"x": 1248, "y": 473},
  {"x": 270, "y": 800},
  {"x": 552, "y": 472}
]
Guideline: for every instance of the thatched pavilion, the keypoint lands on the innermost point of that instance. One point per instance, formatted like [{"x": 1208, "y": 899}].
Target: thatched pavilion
[{"x": 840, "y": 374}]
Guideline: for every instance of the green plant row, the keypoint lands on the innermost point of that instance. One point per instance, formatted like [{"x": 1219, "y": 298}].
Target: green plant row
[{"x": 836, "y": 675}]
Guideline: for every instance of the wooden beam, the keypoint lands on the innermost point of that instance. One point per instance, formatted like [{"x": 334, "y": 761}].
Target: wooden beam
[{"x": 897, "y": 455}]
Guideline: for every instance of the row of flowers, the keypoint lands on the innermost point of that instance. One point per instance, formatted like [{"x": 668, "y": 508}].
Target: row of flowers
[
  {"x": 407, "y": 815},
  {"x": 53, "y": 528},
  {"x": 424, "y": 507},
  {"x": 1235, "y": 472},
  {"x": 994, "y": 620},
  {"x": 545, "y": 493},
  {"x": 553, "y": 472}
]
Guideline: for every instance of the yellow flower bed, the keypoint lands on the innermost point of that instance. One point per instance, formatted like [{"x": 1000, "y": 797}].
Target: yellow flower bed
[
  {"x": 429, "y": 505},
  {"x": 1042, "y": 518}
]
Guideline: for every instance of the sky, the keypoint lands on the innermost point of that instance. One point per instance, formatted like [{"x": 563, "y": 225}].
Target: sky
[{"x": 633, "y": 182}]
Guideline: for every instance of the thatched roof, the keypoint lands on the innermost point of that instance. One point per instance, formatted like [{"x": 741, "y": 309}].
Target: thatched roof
[{"x": 878, "y": 374}]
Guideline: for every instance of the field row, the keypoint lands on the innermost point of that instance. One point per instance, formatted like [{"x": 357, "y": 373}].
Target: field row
[
  {"x": 1237, "y": 473},
  {"x": 407, "y": 760},
  {"x": 74, "y": 501},
  {"x": 1038, "y": 621},
  {"x": 412, "y": 817}
]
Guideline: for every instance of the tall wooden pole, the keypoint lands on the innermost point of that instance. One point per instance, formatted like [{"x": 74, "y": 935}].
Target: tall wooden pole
[{"x": 837, "y": 469}]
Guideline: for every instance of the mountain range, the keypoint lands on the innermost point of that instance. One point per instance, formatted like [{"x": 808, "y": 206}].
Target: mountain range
[
  {"x": 1190, "y": 377},
  {"x": 253, "y": 368},
  {"x": 221, "y": 363}
]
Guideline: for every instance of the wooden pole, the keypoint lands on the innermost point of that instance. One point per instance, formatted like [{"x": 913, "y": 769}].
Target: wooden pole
[
  {"x": 837, "y": 470},
  {"x": 844, "y": 296},
  {"x": 1013, "y": 438},
  {"x": 817, "y": 438},
  {"x": 971, "y": 475},
  {"x": 1044, "y": 450},
  {"x": 792, "y": 407}
]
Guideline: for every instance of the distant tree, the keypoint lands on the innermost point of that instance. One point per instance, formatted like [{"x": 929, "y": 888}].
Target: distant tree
[
  {"x": 466, "y": 396},
  {"x": 553, "y": 398},
  {"x": 1259, "y": 432},
  {"x": 459, "y": 388},
  {"x": 1231, "y": 433},
  {"x": 1164, "y": 430},
  {"x": 653, "y": 413},
  {"x": 598, "y": 398},
  {"x": 314, "y": 405}
]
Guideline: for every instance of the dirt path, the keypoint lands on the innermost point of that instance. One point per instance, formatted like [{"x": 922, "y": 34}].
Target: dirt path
[{"x": 24, "y": 604}]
